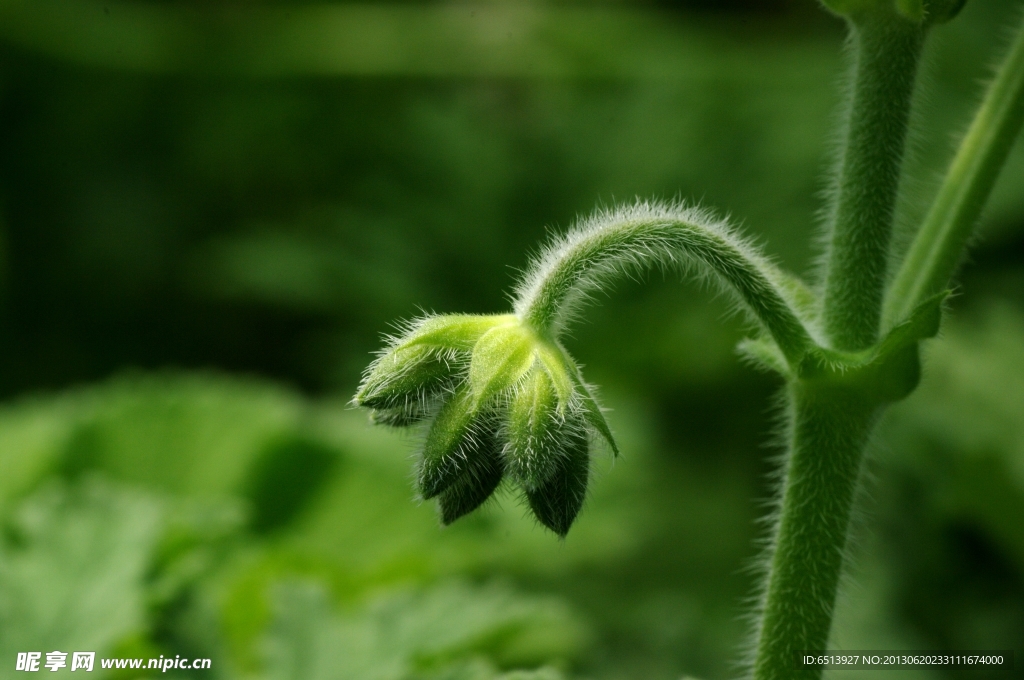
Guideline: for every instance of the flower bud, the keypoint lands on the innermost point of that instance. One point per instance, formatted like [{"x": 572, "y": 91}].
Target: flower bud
[
  {"x": 450, "y": 442},
  {"x": 535, "y": 431},
  {"x": 557, "y": 501},
  {"x": 423, "y": 363},
  {"x": 503, "y": 399},
  {"x": 403, "y": 378},
  {"x": 481, "y": 473},
  {"x": 501, "y": 357}
]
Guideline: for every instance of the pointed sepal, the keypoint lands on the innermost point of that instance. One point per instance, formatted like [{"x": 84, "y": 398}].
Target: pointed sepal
[
  {"x": 501, "y": 357},
  {"x": 404, "y": 377},
  {"x": 592, "y": 411},
  {"x": 557, "y": 502},
  {"x": 537, "y": 430},
  {"x": 480, "y": 476},
  {"x": 449, "y": 442}
]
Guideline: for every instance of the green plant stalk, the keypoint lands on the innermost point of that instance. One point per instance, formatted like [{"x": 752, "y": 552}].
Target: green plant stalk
[
  {"x": 939, "y": 245},
  {"x": 645, "y": 235},
  {"x": 830, "y": 426},
  {"x": 886, "y": 51}
]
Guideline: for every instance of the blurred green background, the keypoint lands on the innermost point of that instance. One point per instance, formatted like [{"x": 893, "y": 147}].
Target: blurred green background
[{"x": 210, "y": 212}]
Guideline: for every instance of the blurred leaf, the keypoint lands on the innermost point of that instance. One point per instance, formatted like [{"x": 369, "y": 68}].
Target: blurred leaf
[
  {"x": 416, "y": 635},
  {"x": 964, "y": 430},
  {"x": 193, "y": 434},
  {"x": 72, "y": 570}
]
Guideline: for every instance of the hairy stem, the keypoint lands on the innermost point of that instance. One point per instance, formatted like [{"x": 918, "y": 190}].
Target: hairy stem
[
  {"x": 645, "y": 235},
  {"x": 886, "y": 52},
  {"x": 830, "y": 426},
  {"x": 939, "y": 245}
]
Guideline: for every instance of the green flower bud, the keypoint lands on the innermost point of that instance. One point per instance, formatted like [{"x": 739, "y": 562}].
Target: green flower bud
[
  {"x": 501, "y": 399},
  {"x": 421, "y": 365},
  {"x": 557, "y": 501},
  {"x": 536, "y": 431},
  {"x": 501, "y": 357},
  {"x": 451, "y": 442},
  {"x": 481, "y": 473},
  {"x": 404, "y": 377}
]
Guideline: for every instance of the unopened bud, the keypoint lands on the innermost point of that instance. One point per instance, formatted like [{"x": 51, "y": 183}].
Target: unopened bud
[
  {"x": 503, "y": 399},
  {"x": 404, "y": 377},
  {"x": 536, "y": 431},
  {"x": 557, "y": 501},
  {"x": 482, "y": 470},
  {"x": 501, "y": 357},
  {"x": 449, "y": 444},
  {"x": 408, "y": 380}
]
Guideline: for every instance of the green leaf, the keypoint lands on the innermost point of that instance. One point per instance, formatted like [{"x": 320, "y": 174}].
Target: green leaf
[
  {"x": 449, "y": 632},
  {"x": 73, "y": 578}
]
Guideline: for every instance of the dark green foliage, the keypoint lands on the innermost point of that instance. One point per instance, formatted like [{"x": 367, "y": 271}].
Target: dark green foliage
[{"x": 285, "y": 478}]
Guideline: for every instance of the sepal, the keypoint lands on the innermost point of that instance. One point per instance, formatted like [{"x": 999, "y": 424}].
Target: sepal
[
  {"x": 501, "y": 357},
  {"x": 404, "y": 376},
  {"x": 557, "y": 502},
  {"x": 481, "y": 474},
  {"x": 448, "y": 446}
]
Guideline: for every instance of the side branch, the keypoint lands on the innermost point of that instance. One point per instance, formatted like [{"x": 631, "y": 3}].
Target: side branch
[
  {"x": 939, "y": 245},
  {"x": 639, "y": 236}
]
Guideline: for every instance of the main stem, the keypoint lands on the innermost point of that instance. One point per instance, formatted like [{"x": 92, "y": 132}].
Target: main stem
[
  {"x": 830, "y": 426},
  {"x": 886, "y": 52}
]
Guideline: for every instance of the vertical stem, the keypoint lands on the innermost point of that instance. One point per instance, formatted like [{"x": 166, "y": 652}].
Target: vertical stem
[
  {"x": 940, "y": 244},
  {"x": 886, "y": 51},
  {"x": 830, "y": 427}
]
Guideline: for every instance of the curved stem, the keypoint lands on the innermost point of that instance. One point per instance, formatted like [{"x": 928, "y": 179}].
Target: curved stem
[
  {"x": 886, "y": 50},
  {"x": 644, "y": 235},
  {"x": 939, "y": 246},
  {"x": 830, "y": 428}
]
